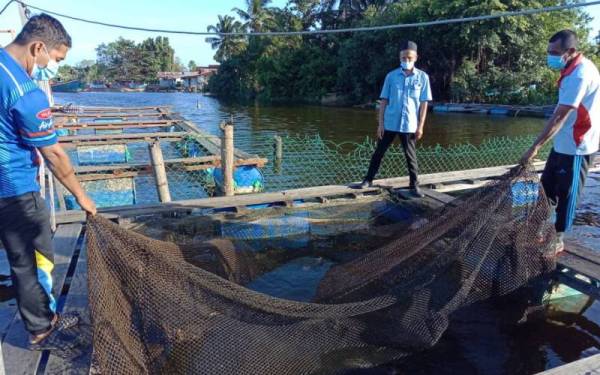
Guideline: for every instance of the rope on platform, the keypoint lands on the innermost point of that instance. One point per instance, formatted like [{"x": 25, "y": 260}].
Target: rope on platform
[{"x": 525, "y": 12}]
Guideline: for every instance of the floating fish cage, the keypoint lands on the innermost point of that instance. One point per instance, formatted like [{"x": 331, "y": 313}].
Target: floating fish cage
[
  {"x": 144, "y": 155},
  {"x": 286, "y": 252}
]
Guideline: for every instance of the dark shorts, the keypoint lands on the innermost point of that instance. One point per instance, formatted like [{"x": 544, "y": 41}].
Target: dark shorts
[{"x": 563, "y": 180}]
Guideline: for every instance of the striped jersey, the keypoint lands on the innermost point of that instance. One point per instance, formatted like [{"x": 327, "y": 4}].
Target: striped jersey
[{"x": 25, "y": 124}]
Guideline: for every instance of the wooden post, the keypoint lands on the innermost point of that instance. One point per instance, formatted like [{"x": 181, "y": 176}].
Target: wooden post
[
  {"x": 227, "y": 158},
  {"x": 51, "y": 201},
  {"x": 160, "y": 174},
  {"x": 60, "y": 194},
  {"x": 278, "y": 146}
]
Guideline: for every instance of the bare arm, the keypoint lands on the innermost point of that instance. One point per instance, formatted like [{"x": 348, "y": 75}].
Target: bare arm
[
  {"x": 61, "y": 167},
  {"x": 552, "y": 127}
]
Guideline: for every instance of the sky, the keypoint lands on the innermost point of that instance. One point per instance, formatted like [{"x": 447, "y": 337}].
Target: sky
[{"x": 189, "y": 15}]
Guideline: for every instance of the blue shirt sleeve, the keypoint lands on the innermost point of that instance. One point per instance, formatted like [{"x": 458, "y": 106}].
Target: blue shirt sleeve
[
  {"x": 385, "y": 91},
  {"x": 33, "y": 119},
  {"x": 426, "y": 91}
]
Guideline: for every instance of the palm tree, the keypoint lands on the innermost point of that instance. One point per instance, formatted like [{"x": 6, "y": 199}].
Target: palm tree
[
  {"x": 346, "y": 9},
  {"x": 256, "y": 15},
  {"x": 308, "y": 10},
  {"x": 225, "y": 45}
]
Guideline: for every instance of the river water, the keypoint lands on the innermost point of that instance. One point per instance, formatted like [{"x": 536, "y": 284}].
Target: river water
[{"x": 335, "y": 124}]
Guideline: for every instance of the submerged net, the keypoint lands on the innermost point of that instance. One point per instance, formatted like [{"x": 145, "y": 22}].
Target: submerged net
[{"x": 157, "y": 309}]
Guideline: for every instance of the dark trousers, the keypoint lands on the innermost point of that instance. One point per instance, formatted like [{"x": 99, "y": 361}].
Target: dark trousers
[
  {"x": 26, "y": 236},
  {"x": 563, "y": 180},
  {"x": 409, "y": 145}
]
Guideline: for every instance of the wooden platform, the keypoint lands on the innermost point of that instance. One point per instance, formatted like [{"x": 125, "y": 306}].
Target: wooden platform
[
  {"x": 585, "y": 366},
  {"x": 172, "y": 128},
  {"x": 70, "y": 289}
]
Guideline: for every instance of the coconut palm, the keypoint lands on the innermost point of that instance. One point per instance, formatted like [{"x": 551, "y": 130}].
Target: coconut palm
[
  {"x": 351, "y": 8},
  {"x": 257, "y": 16},
  {"x": 226, "y": 45}
]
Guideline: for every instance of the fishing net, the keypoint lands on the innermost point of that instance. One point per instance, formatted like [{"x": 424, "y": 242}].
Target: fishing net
[{"x": 158, "y": 307}]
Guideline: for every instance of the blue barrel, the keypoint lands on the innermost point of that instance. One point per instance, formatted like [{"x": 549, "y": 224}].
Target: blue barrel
[{"x": 246, "y": 179}]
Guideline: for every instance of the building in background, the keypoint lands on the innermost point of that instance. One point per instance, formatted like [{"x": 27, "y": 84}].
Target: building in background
[
  {"x": 169, "y": 80},
  {"x": 197, "y": 80}
]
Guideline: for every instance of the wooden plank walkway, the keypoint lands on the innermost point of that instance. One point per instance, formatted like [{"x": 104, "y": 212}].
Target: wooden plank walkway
[
  {"x": 585, "y": 366},
  {"x": 286, "y": 197},
  {"x": 16, "y": 357},
  {"x": 76, "y": 301}
]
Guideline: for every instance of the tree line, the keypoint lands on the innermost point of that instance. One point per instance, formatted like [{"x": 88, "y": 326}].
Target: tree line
[
  {"x": 500, "y": 60},
  {"x": 126, "y": 60}
]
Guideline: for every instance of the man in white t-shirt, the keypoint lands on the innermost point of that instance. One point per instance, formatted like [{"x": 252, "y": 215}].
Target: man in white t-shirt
[{"x": 575, "y": 126}]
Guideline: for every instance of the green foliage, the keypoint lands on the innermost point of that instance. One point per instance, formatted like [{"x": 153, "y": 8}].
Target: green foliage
[
  {"x": 86, "y": 71},
  {"x": 500, "y": 60},
  {"x": 123, "y": 59},
  {"x": 226, "y": 46}
]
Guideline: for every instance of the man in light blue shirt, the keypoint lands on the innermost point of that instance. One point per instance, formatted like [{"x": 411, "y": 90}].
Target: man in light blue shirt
[{"x": 402, "y": 113}]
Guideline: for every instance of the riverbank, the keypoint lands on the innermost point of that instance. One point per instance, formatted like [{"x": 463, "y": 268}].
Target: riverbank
[
  {"x": 495, "y": 109},
  {"x": 537, "y": 111}
]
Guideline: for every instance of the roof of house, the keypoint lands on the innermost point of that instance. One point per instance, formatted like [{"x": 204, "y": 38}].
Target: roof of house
[
  {"x": 169, "y": 75},
  {"x": 190, "y": 75}
]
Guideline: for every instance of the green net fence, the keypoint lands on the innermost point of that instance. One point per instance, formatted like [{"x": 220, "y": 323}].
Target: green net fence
[
  {"x": 314, "y": 161},
  {"x": 306, "y": 160}
]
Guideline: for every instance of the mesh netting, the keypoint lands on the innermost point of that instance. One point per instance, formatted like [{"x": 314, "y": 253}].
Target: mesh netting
[
  {"x": 157, "y": 308},
  {"x": 310, "y": 160},
  {"x": 307, "y": 161}
]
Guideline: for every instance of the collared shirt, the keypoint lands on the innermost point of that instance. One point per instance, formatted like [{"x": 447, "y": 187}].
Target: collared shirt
[
  {"x": 579, "y": 87},
  {"x": 25, "y": 123},
  {"x": 404, "y": 93}
]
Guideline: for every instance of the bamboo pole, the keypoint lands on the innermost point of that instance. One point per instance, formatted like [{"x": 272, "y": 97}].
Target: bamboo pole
[
  {"x": 60, "y": 194},
  {"x": 227, "y": 162},
  {"x": 160, "y": 174},
  {"x": 51, "y": 201}
]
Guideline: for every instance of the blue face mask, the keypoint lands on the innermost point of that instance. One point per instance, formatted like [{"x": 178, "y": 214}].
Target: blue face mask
[
  {"x": 407, "y": 65},
  {"x": 46, "y": 73},
  {"x": 556, "y": 62}
]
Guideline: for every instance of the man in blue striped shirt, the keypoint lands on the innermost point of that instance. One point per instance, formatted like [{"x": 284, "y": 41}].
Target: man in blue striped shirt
[{"x": 27, "y": 131}]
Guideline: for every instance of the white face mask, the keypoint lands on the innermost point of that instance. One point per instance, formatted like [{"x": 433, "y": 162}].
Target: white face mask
[
  {"x": 46, "y": 73},
  {"x": 407, "y": 65}
]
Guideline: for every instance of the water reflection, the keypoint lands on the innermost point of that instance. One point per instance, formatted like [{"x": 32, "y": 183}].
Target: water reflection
[{"x": 335, "y": 124}]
